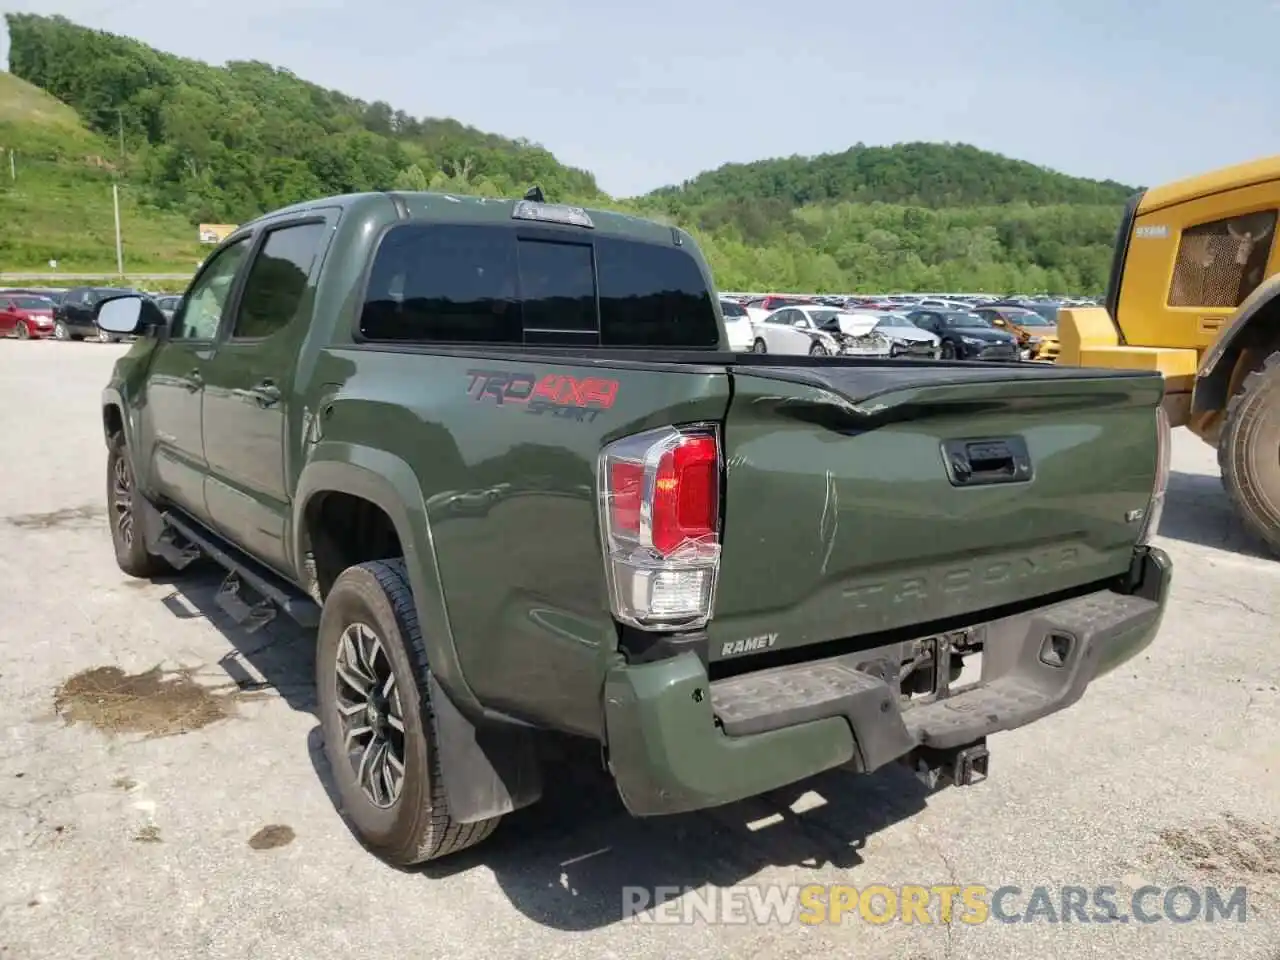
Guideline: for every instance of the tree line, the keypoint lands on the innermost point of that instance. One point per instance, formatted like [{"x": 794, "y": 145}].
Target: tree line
[{"x": 224, "y": 144}]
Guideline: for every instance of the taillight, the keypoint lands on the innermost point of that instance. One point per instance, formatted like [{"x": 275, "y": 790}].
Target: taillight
[
  {"x": 1164, "y": 457},
  {"x": 660, "y": 518}
]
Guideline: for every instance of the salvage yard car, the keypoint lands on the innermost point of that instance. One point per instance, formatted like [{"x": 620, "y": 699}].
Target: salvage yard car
[
  {"x": 498, "y": 454},
  {"x": 905, "y": 338},
  {"x": 819, "y": 332},
  {"x": 966, "y": 336},
  {"x": 737, "y": 326}
]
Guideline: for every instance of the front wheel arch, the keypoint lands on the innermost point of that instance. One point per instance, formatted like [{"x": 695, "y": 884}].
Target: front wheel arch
[{"x": 1243, "y": 345}]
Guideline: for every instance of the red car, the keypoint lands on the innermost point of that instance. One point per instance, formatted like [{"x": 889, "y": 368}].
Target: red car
[{"x": 25, "y": 317}]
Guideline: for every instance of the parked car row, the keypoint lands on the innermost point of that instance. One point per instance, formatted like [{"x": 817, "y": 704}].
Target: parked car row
[
  {"x": 41, "y": 313},
  {"x": 961, "y": 327}
]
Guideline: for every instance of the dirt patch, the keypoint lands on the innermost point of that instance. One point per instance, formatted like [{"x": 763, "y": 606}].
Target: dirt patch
[
  {"x": 1235, "y": 847},
  {"x": 154, "y": 703},
  {"x": 148, "y": 834},
  {"x": 272, "y": 836},
  {"x": 84, "y": 516}
]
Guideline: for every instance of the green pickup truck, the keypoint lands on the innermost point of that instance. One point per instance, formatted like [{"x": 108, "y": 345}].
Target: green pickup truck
[{"x": 498, "y": 453}]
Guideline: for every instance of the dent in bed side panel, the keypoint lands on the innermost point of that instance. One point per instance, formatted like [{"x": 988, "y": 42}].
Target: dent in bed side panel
[{"x": 507, "y": 477}]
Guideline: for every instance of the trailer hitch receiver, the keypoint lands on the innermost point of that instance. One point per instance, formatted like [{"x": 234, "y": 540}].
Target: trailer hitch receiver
[{"x": 961, "y": 767}]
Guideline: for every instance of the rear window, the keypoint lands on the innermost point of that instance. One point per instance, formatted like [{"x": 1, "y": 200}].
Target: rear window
[
  {"x": 435, "y": 283},
  {"x": 730, "y": 309}
]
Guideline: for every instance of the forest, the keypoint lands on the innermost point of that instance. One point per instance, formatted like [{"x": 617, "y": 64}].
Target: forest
[{"x": 225, "y": 143}]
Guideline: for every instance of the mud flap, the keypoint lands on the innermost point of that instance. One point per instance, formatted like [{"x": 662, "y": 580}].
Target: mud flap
[{"x": 487, "y": 771}]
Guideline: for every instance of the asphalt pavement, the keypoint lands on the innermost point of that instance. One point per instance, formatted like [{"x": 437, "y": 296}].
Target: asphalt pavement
[{"x": 163, "y": 793}]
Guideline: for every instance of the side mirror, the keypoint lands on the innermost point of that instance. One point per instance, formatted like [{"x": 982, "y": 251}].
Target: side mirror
[{"x": 127, "y": 315}]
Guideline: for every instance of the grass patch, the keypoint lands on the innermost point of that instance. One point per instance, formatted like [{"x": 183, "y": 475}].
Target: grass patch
[{"x": 55, "y": 199}]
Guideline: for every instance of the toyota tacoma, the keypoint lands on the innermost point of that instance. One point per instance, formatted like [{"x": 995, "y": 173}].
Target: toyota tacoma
[{"x": 498, "y": 454}]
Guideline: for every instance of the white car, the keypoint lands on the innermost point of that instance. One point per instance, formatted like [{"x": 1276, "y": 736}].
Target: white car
[
  {"x": 737, "y": 326},
  {"x": 819, "y": 332},
  {"x": 905, "y": 338}
]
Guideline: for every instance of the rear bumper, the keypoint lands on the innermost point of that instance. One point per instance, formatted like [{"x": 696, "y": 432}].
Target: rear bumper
[{"x": 678, "y": 742}]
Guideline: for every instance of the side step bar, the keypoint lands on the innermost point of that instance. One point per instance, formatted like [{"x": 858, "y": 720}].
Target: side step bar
[{"x": 251, "y": 594}]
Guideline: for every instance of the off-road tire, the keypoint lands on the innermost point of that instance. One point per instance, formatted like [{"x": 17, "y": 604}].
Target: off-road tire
[
  {"x": 131, "y": 552},
  {"x": 1249, "y": 452},
  {"x": 417, "y": 827}
]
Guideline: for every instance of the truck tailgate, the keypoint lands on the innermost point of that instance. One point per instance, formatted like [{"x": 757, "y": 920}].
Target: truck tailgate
[{"x": 860, "y": 499}]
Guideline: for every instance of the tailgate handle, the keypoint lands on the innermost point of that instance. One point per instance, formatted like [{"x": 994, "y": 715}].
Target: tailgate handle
[{"x": 973, "y": 463}]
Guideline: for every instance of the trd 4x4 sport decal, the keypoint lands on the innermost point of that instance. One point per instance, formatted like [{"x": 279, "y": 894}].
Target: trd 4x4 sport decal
[{"x": 577, "y": 398}]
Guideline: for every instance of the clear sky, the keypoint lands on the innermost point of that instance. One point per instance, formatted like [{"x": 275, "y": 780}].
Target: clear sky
[{"x": 650, "y": 93}]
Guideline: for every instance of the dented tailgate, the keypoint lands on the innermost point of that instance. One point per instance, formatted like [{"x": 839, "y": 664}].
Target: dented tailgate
[{"x": 866, "y": 498}]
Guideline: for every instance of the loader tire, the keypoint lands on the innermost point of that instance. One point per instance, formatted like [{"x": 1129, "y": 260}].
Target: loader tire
[{"x": 1249, "y": 452}]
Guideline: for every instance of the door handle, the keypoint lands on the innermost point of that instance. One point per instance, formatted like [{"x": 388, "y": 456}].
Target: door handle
[
  {"x": 266, "y": 393},
  {"x": 194, "y": 381}
]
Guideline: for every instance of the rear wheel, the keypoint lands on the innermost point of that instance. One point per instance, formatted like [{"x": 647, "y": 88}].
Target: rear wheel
[
  {"x": 759, "y": 347},
  {"x": 1249, "y": 451},
  {"x": 379, "y": 728},
  {"x": 123, "y": 506}
]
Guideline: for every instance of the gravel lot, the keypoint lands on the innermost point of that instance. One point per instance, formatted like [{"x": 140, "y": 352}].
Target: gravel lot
[{"x": 222, "y": 841}]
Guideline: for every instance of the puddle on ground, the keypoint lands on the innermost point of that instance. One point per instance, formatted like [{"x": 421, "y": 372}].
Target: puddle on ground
[
  {"x": 154, "y": 703},
  {"x": 83, "y": 516},
  {"x": 1234, "y": 846},
  {"x": 272, "y": 836}
]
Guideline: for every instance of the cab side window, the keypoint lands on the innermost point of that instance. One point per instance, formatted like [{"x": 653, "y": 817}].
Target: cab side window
[
  {"x": 278, "y": 286},
  {"x": 201, "y": 313}
]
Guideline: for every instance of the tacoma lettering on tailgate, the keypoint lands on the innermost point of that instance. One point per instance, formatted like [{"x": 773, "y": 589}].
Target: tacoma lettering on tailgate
[
  {"x": 561, "y": 395},
  {"x": 931, "y": 585}
]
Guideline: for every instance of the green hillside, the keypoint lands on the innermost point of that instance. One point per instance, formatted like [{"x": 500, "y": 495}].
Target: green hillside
[
  {"x": 919, "y": 174},
  {"x": 55, "y": 198},
  {"x": 223, "y": 144}
]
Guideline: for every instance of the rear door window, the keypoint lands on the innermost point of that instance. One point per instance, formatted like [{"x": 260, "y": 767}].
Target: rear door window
[
  {"x": 279, "y": 280},
  {"x": 480, "y": 284}
]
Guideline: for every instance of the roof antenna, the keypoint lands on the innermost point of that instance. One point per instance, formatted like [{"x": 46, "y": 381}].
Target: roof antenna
[{"x": 535, "y": 194}]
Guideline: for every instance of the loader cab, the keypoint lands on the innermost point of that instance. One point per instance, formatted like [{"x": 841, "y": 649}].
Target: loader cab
[
  {"x": 1195, "y": 294},
  {"x": 1188, "y": 255}
]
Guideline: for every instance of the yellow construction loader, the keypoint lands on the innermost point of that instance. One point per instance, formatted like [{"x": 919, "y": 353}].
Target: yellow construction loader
[{"x": 1195, "y": 293}]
